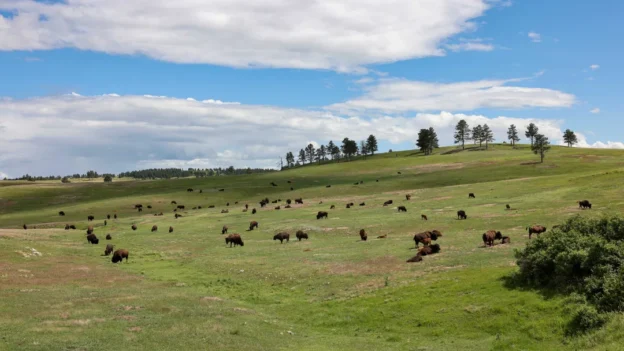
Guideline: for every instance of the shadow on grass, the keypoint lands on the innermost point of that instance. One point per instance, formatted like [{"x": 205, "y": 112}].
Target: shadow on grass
[{"x": 513, "y": 282}]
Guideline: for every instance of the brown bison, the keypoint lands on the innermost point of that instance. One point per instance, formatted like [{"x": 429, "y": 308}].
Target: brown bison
[
  {"x": 91, "y": 238},
  {"x": 287, "y": 206},
  {"x": 299, "y": 201},
  {"x": 416, "y": 258},
  {"x": 66, "y": 226},
  {"x": 109, "y": 237},
  {"x": 234, "y": 239},
  {"x": 429, "y": 250},
  {"x": 61, "y": 213},
  {"x": 252, "y": 225},
  {"x": 328, "y": 186},
  {"x": 536, "y": 229},
  {"x": 105, "y": 223},
  {"x": 246, "y": 206},
  {"x": 363, "y": 204},
  {"x": 115, "y": 216},
  {"x": 134, "y": 227},
  {"x": 253, "y": 211},
  {"x": 402, "y": 209},
  {"x": 274, "y": 201},
  {"x": 408, "y": 197},
  {"x": 426, "y": 237},
  {"x": 389, "y": 202},
  {"x": 71, "y": 226},
  {"x": 490, "y": 236},
  {"x": 301, "y": 235},
  {"x": 190, "y": 190},
  {"x": 348, "y": 206},
  {"x": 177, "y": 216},
  {"x": 180, "y": 207},
  {"x": 224, "y": 229},
  {"x": 322, "y": 214},
  {"x": 278, "y": 208},
  {"x": 107, "y": 216},
  {"x": 211, "y": 206},
  {"x": 506, "y": 240},
  {"x": 25, "y": 227},
  {"x": 382, "y": 236},
  {"x": 281, "y": 237},
  {"x": 225, "y": 211},
  {"x": 423, "y": 217},
  {"x": 138, "y": 206},
  {"x": 174, "y": 203},
  {"x": 508, "y": 207},
  {"x": 461, "y": 214},
  {"x": 273, "y": 184},
  {"x": 119, "y": 255},
  {"x": 170, "y": 229},
  {"x": 363, "y": 235},
  {"x": 585, "y": 204},
  {"x": 154, "y": 228},
  {"x": 109, "y": 249},
  {"x": 221, "y": 189},
  {"x": 288, "y": 201},
  {"x": 332, "y": 207},
  {"x": 149, "y": 206},
  {"x": 140, "y": 209},
  {"x": 90, "y": 218},
  {"x": 471, "y": 196}
]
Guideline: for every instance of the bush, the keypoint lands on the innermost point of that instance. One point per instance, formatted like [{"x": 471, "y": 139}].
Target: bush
[
  {"x": 584, "y": 319},
  {"x": 108, "y": 179},
  {"x": 65, "y": 180}
]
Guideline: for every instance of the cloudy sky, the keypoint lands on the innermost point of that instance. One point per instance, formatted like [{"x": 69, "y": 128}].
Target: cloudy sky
[{"x": 116, "y": 85}]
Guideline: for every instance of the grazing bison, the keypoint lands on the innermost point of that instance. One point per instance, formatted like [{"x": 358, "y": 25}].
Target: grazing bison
[
  {"x": 177, "y": 216},
  {"x": 363, "y": 235},
  {"x": 398, "y": 172},
  {"x": 273, "y": 184},
  {"x": 328, "y": 186},
  {"x": 585, "y": 204},
  {"x": 356, "y": 183},
  {"x": 281, "y": 237},
  {"x": 66, "y": 226},
  {"x": 224, "y": 229},
  {"x": 90, "y": 230},
  {"x": 274, "y": 201},
  {"x": 221, "y": 189},
  {"x": 299, "y": 201},
  {"x": 107, "y": 216},
  {"x": 149, "y": 206},
  {"x": 288, "y": 201},
  {"x": 278, "y": 208},
  {"x": 246, "y": 206},
  {"x": 423, "y": 217},
  {"x": 536, "y": 229},
  {"x": 138, "y": 206},
  {"x": 363, "y": 204},
  {"x": 506, "y": 240},
  {"x": 201, "y": 191},
  {"x": 225, "y": 211},
  {"x": 292, "y": 189},
  {"x": 90, "y": 218},
  {"x": 119, "y": 255},
  {"x": 301, "y": 235},
  {"x": 508, "y": 207},
  {"x": 154, "y": 228},
  {"x": 170, "y": 229},
  {"x": 199, "y": 207},
  {"x": 211, "y": 206},
  {"x": 61, "y": 213},
  {"x": 426, "y": 237},
  {"x": 109, "y": 249},
  {"x": 71, "y": 226},
  {"x": 134, "y": 227},
  {"x": 332, "y": 207},
  {"x": 109, "y": 237},
  {"x": 227, "y": 204},
  {"x": 321, "y": 214},
  {"x": 389, "y": 202},
  {"x": 115, "y": 216},
  {"x": 180, "y": 207},
  {"x": 253, "y": 211},
  {"x": 471, "y": 196},
  {"x": 174, "y": 203},
  {"x": 234, "y": 239},
  {"x": 348, "y": 205},
  {"x": 91, "y": 238},
  {"x": 402, "y": 209},
  {"x": 252, "y": 225},
  {"x": 490, "y": 236},
  {"x": 408, "y": 197},
  {"x": 190, "y": 190},
  {"x": 140, "y": 209},
  {"x": 25, "y": 227},
  {"x": 461, "y": 214}
]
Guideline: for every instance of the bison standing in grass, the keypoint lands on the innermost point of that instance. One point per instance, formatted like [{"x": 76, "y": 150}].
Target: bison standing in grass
[
  {"x": 134, "y": 227},
  {"x": 423, "y": 217},
  {"x": 91, "y": 238},
  {"x": 119, "y": 255},
  {"x": 536, "y": 229},
  {"x": 253, "y": 211},
  {"x": 461, "y": 214},
  {"x": 61, "y": 213},
  {"x": 224, "y": 229},
  {"x": 170, "y": 229},
  {"x": 109, "y": 237},
  {"x": 389, "y": 202},
  {"x": 490, "y": 236},
  {"x": 426, "y": 237},
  {"x": 299, "y": 201},
  {"x": 281, "y": 237},
  {"x": 90, "y": 218},
  {"x": 108, "y": 250},
  {"x": 363, "y": 235},
  {"x": 408, "y": 197},
  {"x": 252, "y": 225},
  {"x": 154, "y": 228},
  {"x": 301, "y": 235},
  {"x": 471, "y": 196},
  {"x": 234, "y": 239},
  {"x": 585, "y": 204},
  {"x": 402, "y": 209},
  {"x": 321, "y": 214}
]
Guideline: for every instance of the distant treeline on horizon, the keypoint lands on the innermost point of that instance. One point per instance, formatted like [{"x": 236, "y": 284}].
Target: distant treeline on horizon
[{"x": 154, "y": 173}]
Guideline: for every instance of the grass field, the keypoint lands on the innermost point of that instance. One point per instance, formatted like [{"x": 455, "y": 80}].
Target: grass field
[{"x": 187, "y": 290}]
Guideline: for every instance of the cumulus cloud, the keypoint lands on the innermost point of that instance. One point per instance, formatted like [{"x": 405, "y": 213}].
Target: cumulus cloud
[
  {"x": 535, "y": 37},
  {"x": 595, "y": 110},
  {"x": 594, "y": 67},
  {"x": 73, "y": 133},
  {"x": 470, "y": 45},
  {"x": 340, "y": 35},
  {"x": 397, "y": 95},
  {"x": 582, "y": 142}
]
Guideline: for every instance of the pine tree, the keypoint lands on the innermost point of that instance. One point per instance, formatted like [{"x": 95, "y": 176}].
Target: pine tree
[
  {"x": 371, "y": 144},
  {"x": 427, "y": 141},
  {"x": 477, "y": 134},
  {"x": 462, "y": 133},
  {"x": 290, "y": 159},
  {"x": 512, "y": 135},
  {"x": 330, "y": 149},
  {"x": 570, "y": 138},
  {"x": 364, "y": 148},
  {"x": 540, "y": 146},
  {"x": 488, "y": 135},
  {"x": 531, "y": 132},
  {"x": 302, "y": 156},
  {"x": 310, "y": 152}
]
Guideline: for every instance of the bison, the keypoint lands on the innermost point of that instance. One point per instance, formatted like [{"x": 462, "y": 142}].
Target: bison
[
  {"x": 363, "y": 204},
  {"x": 105, "y": 222},
  {"x": 174, "y": 203},
  {"x": 348, "y": 206},
  {"x": 119, "y": 255},
  {"x": 211, "y": 206},
  {"x": 107, "y": 216},
  {"x": 115, "y": 216},
  {"x": 71, "y": 226},
  {"x": 109, "y": 249},
  {"x": 389, "y": 202},
  {"x": 408, "y": 197},
  {"x": 149, "y": 206},
  {"x": 382, "y": 236},
  {"x": 234, "y": 239},
  {"x": 287, "y": 206},
  {"x": 90, "y": 230},
  {"x": 281, "y": 237},
  {"x": 301, "y": 235},
  {"x": 288, "y": 201},
  {"x": 224, "y": 229},
  {"x": 134, "y": 227},
  {"x": 225, "y": 211},
  {"x": 90, "y": 218},
  {"x": 246, "y": 206},
  {"x": 278, "y": 208},
  {"x": 177, "y": 216},
  {"x": 180, "y": 207},
  {"x": 508, "y": 207},
  {"x": 321, "y": 214},
  {"x": 423, "y": 217},
  {"x": 273, "y": 184},
  {"x": 506, "y": 240},
  {"x": 471, "y": 196},
  {"x": 402, "y": 209},
  {"x": 91, "y": 238},
  {"x": 461, "y": 214},
  {"x": 585, "y": 204},
  {"x": 490, "y": 236},
  {"x": 328, "y": 186},
  {"x": 154, "y": 228},
  {"x": 170, "y": 229},
  {"x": 416, "y": 258},
  {"x": 363, "y": 235},
  {"x": 25, "y": 227},
  {"x": 536, "y": 229},
  {"x": 253, "y": 211},
  {"x": 252, "y": 225},
  {"x": 109, "y": 237},
  {"x": 190, "y": 190},
  {"x": 61, "y": 213},
  {"x": 140, "y": 209},
  {"x": 426, "y": 237},
  {"x": 222, "y": 189},
  {"x": 332, "y": 207},
  {"x": 299, "y": 201},
  {"x": 66, "y": 226},
  {"x": 138, "y": 206}
]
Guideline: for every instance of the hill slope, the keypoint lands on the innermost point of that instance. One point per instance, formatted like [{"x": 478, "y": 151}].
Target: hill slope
[{"x": 330, "y": 292}]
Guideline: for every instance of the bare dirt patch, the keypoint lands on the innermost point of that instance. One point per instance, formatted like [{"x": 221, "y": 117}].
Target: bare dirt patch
[
  {"x": 210, "y": 298},
  {"x": 377, "y": 265}
]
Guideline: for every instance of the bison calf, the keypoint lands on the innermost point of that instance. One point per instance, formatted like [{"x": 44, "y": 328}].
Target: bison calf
[
  {"x": 108, "y": 250},
  {"x": 506, "y": 240},
  {"x": 224, "y": 229},
  {"x": 253, "y": 225},
  {"x": 119, "y": 255}
]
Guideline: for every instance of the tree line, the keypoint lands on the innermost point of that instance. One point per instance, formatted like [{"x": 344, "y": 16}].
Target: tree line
[{"x": 345, "y": 151}]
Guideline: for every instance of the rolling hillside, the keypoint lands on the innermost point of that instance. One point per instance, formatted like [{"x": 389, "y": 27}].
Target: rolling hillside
[{"x": 331, "y": 292}]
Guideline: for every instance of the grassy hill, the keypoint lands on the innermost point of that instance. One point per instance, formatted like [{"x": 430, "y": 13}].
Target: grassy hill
[{"x": 333, "y": 292}]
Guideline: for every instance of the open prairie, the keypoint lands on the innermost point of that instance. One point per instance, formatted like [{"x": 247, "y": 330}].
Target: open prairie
[{"x": 331, "y": 292}]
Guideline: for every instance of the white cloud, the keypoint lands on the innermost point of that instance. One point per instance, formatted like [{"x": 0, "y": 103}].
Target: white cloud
[
  {"x": 535, "y": 37},
  {"x": 594, "y": 67},
  {"x": 340, "y": 35},
  {"x": 470, "y": 45},
  {"x": 4, "y": 175},
  {"x": 72, "y": 133},
  {"x": 582, "y": 142},
  {"x": 595, "y": 110},
  {"x": 397, "y": 95}
]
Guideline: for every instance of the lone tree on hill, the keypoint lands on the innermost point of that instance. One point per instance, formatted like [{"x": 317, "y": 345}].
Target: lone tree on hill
[
  {"x": 427, "y": 140},
  {"x": 302, "y": 156},
  {"x": 349, "y": 147},
  {"x": 477, "y": 135},
  {"x": 488, "y": 135},
  {"x": 462, "y": 133},
  {"x": 371, "y": 144},
  {"x": 512, "y": 135},
  {"x": 531, "y": 132},
  {"x": 569, "y": 137},
  {"x": 309, "y": 151},
  {"x": 540, "y": 146}
]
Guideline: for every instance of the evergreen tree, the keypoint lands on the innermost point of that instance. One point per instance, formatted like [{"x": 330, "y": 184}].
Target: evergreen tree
[
  {"x": 108, "y": 178},
  {"x": 330, "y": 149},
  {"x": 302, "y": 156},
  {"x": 512, "y": 135},
  {"x": 531, "y": 132},
  {"x": 371, "y": 144},
  {"x": 335, "y": 152},
  {"x": 364, "y": 148},
  {"x": 290, "y": 159},
  {"x": 540, "y": 146},
  {"x": 477, "y": 135},
  {"x": 427, "y": 140},
  {"x": 462, "y": 133},
  {"x": 569, "y": 137},
  {"x": 323, "y": 152},
  {"x": 349, "y": 147},
  {"x": 310, "y": 152},
  {"x": 488, "y": 135}
]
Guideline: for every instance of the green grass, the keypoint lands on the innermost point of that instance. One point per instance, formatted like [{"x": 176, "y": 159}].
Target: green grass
[{"x": 186, "y": 290}]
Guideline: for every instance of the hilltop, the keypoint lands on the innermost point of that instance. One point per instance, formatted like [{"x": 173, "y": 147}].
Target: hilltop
[{"x": 328, "y": 293}]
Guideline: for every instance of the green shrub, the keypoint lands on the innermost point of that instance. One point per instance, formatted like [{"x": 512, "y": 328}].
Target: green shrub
[{"x": 584, "y": 319}]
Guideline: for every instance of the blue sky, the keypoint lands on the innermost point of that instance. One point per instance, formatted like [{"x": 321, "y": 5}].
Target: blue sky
[{"x": 298, "y": 72}]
